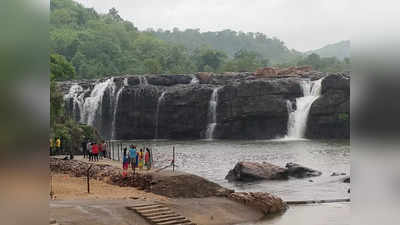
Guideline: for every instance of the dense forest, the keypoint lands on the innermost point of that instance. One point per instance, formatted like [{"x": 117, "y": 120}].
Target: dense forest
[{"x": 87, "y": 44}]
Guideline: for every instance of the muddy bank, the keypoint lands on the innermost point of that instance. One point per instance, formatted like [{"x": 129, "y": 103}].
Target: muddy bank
[
  {"x": 169, "y": 184},
  {"x": 175, "y": 185}
]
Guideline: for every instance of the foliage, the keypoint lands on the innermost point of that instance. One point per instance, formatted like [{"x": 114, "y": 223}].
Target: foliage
[
  {"x": 328, "y": 64},
  {"x": 60, "y": 68},
  {"x": 56, "y": 105},
  {"x": 99, "y": 45},
  {"x": 343, "y": 116},
  {"x": 246, "y": 61}
]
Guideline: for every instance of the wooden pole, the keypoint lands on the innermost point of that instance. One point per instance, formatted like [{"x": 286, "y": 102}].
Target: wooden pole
[
  {"x": 88, "y": 177},
  {"x": 173, "y": 158}
]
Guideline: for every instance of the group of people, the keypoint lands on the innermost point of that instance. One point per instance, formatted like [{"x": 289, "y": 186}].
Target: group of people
[
  {"x": 137, "y": 159},
  {"x": 94, "y": 151},
  {"x": 55, "y": 146}
]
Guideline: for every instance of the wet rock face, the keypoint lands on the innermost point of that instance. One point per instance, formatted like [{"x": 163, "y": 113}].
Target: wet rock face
[
  {"x": 255, "y": 109},
  {"x": 267, "y": 203},
  {"x": 250, "y": 171},
  {"x": 299, "y": 171},
  {"x": 248, "y": 107},
  {"x": 330, "y": 114}
]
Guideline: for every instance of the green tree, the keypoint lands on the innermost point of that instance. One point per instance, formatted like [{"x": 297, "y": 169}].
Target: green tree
[
  {"x": 56, "y": 104},
  {"x": 60, "y": 68}
]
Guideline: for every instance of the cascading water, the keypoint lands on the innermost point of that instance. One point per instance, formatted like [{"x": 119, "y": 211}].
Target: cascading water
[
  {"x": 143, "y": 80},
  {"x": 212, "y": 114},
  {"x": 94, "y": 101},
  {"x": 76, "y": 93},
  {"x": 194, "y": 80},
  {"x": 160, "y": 99},
  {"x": 125, "y": 84},
  {"x": 297, "y": 122}
]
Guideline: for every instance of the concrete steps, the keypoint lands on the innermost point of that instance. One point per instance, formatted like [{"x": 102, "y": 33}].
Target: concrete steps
[{"x": 159, "y": 214}]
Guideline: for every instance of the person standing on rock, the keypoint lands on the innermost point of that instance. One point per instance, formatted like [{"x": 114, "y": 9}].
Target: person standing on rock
[
  {"x": 147, "y": 159},
  {"x": 58, "y": 145},
  {"x": 95, "y": 152},
  {"x": 51, "y": 144},
  {"x": 89, "y": 150},
  {"x": 141, "y": 158},
  {"x": 84, "y": 148},
  {"x": 125, "y": 163},
  {"x": 132, "y": 157}
]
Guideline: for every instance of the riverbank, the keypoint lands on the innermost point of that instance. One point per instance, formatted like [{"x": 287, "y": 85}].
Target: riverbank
[{"x": 202, "y": 201}]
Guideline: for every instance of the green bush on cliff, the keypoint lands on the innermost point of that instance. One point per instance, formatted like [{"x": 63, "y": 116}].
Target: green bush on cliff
[{"x": 343, "y": 116}]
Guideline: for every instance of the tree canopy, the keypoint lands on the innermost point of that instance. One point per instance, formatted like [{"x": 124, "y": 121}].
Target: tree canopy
[{"x": 86, "y": 44}]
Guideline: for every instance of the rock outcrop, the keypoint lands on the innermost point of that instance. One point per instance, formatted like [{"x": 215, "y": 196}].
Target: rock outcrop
[
  {"x": 267, "y": 203},
  {"x": 299, "y": 171},
  {"x": 330, "y": 114},
  {"x": 177, "y": 106},
  {"x": 251, "y": 171}
]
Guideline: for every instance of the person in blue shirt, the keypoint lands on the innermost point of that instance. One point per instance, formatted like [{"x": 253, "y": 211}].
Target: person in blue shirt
[{"x": 132, "y": 157}]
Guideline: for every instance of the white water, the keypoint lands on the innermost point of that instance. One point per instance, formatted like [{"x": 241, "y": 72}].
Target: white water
[
  {"x": 160, "y": 99},
  {"x": 77, "y": 94},
  {"x": 94, "y": 101},
  {"x": 297, "y": 122},
  {"x": 143, "y": 80},
  {"x": 125, "y": 84},
  {"x": 194, "y": 80},
  {"x": 212, "y": 114}
]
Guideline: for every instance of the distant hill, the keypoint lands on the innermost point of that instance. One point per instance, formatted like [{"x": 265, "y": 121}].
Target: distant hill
[{"x": 339, "y": 50}]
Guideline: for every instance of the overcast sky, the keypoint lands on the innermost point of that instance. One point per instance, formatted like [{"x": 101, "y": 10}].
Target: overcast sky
[{"x": 302, "y": 25}]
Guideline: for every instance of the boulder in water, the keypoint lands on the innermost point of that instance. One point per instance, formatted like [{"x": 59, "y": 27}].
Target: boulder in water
[
  {"x": 299, "y": 171},
  {"x": 251, "y": 171},
  {"x": 267, "y": 203}
]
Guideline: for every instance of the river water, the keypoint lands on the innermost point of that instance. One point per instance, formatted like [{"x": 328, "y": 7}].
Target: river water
[{"x": 213, "y": 159}]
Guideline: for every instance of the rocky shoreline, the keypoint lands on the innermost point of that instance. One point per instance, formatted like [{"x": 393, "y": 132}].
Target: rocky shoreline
[
  {"x": 178, "y": 106},
  {"x": 173, "y": 185}
]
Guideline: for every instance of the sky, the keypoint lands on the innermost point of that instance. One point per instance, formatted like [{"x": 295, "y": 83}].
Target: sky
[{"x": 302, "y": 25}]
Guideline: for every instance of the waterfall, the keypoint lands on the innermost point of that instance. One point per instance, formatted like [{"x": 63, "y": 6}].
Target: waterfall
[
  {"x": 76, "y": 93},
  {"x": 94, "y": 101},
  {"x": 143, "y": 80},
  {"x": 125, "y": 84},
  {"x": 212, "y": 114},
  {"x": 194, "y": 80},
  {"x": 297, "y": 122},
  {"x": 160, "y": 99}
]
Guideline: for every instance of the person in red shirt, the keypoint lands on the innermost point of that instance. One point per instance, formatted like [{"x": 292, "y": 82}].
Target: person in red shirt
[
  {"x": 95, "y": 151},
  {"x": 147, "y": 159}
]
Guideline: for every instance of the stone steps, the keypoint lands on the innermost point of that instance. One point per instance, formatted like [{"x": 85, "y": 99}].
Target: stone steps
[{"x": 159, "y": 214}]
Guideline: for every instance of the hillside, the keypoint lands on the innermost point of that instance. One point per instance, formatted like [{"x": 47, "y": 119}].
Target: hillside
[
  {"x": 230, "y": 42},
  {"x": 88, "y": 44},
  {"x": 339, "y": 50}
]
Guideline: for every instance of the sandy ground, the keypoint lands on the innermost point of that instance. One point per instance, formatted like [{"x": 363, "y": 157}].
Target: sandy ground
[
  {"x": 106, "y": 205},
  {"x": 66, "y": 187}
]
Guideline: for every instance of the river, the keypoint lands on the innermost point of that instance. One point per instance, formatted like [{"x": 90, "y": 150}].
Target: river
[{"x": 213, "y": 159}]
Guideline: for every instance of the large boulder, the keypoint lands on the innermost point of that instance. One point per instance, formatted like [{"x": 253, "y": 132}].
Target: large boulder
[
  {"x": 266, "y": 202},
  {"x": 299, "y": 171},
  {"x": 251, "y": 171}
]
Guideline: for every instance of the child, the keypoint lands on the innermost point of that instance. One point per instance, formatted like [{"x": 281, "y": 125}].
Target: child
[{"x": 125, "y": 164}]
